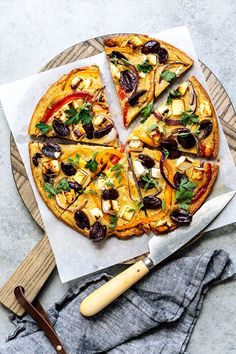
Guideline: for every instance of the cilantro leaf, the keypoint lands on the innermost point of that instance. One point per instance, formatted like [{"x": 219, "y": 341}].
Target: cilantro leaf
[
  {"x": 92, "y": 164},
  {"x": 113, "y": 222},
  {"x": 185, "y": 193},
  {"x": 146, "y": 112},
  {"x": 172, "y": 94},
  {"x": 43, "y": 127},
  {"x": 62, "y": 185},
  {"x": 74, "y": 116},
  {"x": 188, "y": 117},
  {"x": 109, "y": 184},
  {"x": 145, "y": 67},
  {"x": 168, "y": 75},
  {"x": 149, "y": 181},
  {"x": 49, "y": 188},
  {"x": 118, "y": 169},
  {"x": 74, "y": 161}
]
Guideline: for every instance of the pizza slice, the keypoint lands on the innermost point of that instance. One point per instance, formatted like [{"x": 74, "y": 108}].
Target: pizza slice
[
  {"x": 142, "y": 67},
  {"x": 172, "y": 189},
  {"x": 62, "y": 172},
  {"x": 109, "y": 206},
  {"x": 185, "y": 122},
  {"x": 75, "y": 108}
]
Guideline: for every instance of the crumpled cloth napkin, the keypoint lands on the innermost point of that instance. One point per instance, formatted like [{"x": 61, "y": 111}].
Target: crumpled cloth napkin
[{"x": 155, "y": 316}]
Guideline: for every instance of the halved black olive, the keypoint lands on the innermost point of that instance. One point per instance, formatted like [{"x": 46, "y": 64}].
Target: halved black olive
[
  {"x": 150, "y": 47},
  {"x": 186, "y": 138},
  {"x": 146, "y": 161},
  {"x": 151, "y": 202},
  {"x": 172, "y": 147},
  {"x": 128, "y": 80},
  {"x": 60, "y": 128},
  {"x": 178, "y": 178},
  {"x": 76, "y": 186},
  {"x": 35, "y": 159},
  {"x": 89, "y": 129},
  {"x": 133, "y": 100},
  {"x": 181, "y": 216},
  {"x": 162, "y": 55},
  {"x": 68, "y": 169},
  {"x": 81, "y": 220},
  {"x": 102, "y": 132},
  {"x": 49, "y": 149},
  {"x": 205, "y": 128},
  {"x": 110, "y": 194},
  {"x": 97, "y": 232}
]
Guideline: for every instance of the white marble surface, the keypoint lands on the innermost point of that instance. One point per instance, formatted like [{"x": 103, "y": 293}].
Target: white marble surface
[{"x": 31, "y": 33}]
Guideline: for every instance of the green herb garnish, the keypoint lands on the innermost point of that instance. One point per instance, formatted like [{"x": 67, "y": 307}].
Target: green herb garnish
[
  {"x": 149, "y": 181},
  {"x": 146, "y": 112},
  {"x": 139, "y": 205},
  {"x": 49, "y": 188},
  {"x": 188, "y": 117},
  {"x": 168, "y": 75},
  {"x": 145, "y": 67},
  {"x": 109, "y": 184},
  {"x": 90, "y": 191},
  {"x": 92, "y": 164},
  {"x": 82, "y": 115},
  {"x": 163, "y": 204},
  {"x": 74, "y": 161},
  {"x": 113, "y": 222},
  {"x": 172, "y": 94},
  {"x": 62, "y": 185},
  {"x": 166, "y": 153},
  {"x": 151, "y": 127},
  {"x": 185, "y": 193},
  {"x": 118, "y": 169},
  {"x": 43, "y": 127}
]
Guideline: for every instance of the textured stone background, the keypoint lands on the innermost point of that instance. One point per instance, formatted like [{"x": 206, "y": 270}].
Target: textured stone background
[{"x": 31, "y": 33}]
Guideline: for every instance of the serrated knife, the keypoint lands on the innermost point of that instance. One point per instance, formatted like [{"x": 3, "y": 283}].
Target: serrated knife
[{"x": 160, "y": 247}]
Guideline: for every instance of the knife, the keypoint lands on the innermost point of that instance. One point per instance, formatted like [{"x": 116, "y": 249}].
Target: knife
[{"x": 160, "y": 248}]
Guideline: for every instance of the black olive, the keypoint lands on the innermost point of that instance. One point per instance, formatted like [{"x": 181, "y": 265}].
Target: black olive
[
  {"x": 151, "y": 202},
  {"x": 68, "y": 169},
  {"x": 205, "y": 128},
  {"x": 186, "y": 139},
  {"x": 162, "y": 55},
  {"x": 35, "y": 159},
  {"x": 178, "y": 178},
  {"x": 181, "y": 216},
  {"x": 146, "y": 161},
  {"x": 172, "y": 147},
  {"x": 133, "y": 100},
  {"x": 82, "y": 220},
  {"x": 102, "y": 132},
  {"x": 110, "y": 194},
  {"x": 98, "y": 232},
  {"x": 47, "y": 178},
  {"x": 150, "y": 47},
  {"x": 89, "y": 129},
  {"x": 76, "y": 186},
  {"x": 60, "y": 128},
  {"x": 128, "y": 80},
  {"x": 49, "y": 149}
]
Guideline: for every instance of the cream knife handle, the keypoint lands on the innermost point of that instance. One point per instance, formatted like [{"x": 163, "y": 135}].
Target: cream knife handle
[{"x": 110, "y": 291}]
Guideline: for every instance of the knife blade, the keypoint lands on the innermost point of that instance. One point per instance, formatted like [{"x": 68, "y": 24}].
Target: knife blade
[{"x": 160, "y": 248}]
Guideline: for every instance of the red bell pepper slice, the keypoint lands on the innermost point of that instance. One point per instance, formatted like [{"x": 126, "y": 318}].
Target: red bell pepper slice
[
  {"x": 62, "y": 101},
  {"x": 203, "y": 189},
  {"x": 122, "y": 95}
]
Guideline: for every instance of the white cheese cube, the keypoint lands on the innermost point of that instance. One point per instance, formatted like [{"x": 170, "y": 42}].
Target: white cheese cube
[
  {"x": 81, "y": 177},
  {"x": 156, "y": 173},
  {"x": 51, "y": 167},
  {"x": 75, "y": 82},
  {"x": 178, "y": 70},
  {"x": 115, "y": 71},
  {"x": 110, "y": 206},
  {"x": 177, "y": 107},
  {"x": 96, "y": 213},
  {"x": 164, "y": 110},
  {"x": 138, "y": 168},
  {"x": 141, "y": 74},
  {"x": 183, "y": 88},
  {"x": 127, "y": 212},
  {"x": 152, "y": 59},
  {"x": 98, "y": 120},
  {"x": 135, "y": 144},
  {"x": 205, "y": 109}
]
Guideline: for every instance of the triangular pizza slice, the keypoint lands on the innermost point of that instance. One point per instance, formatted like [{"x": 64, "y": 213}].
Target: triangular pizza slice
[
  {"x": 62, "y": 172},
  {"x": 172, "y": 189},
  {"x": 185, "y": 121},
  {"x": 142, "y": 67},
  {"x": 109, "y": 206},
  {"x": 75, "y": 108}
]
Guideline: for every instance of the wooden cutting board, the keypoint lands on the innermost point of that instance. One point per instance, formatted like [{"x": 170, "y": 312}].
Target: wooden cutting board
[{"x": 37, "y": 267}]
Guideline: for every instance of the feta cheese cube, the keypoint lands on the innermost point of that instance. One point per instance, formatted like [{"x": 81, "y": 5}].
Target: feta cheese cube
[
  {"x": 152, "y": 59},
  {"x": 127, "y": 212},
  {"x": 51, "y": 167},
  {"x": 156, "y": 173},
  {"x": 183, "y": 88},
  {"x": 138, "y": 168},
  {"x": 205, "y": 109},
  {"x": 177, "y": 107},
  {"x": 81, "y": 177},
  {"x": 98, "y": 120},
  {"x": 96, "y": 213}
]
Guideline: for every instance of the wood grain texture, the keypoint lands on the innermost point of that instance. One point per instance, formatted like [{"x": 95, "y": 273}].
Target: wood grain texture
[{"x": 36, "y": 268}]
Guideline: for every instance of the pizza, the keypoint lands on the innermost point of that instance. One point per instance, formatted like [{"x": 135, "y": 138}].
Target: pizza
[
  {"x": 110, "y": 205},
  {"x": 75, "y": 108},
  {"x": 61, "y": 172},
  {"x": 184, "y": 122},
  {"x": 165, "y": 170},
  {"x": 172, "y": 190},
  {"x": 142, "y": 67}
]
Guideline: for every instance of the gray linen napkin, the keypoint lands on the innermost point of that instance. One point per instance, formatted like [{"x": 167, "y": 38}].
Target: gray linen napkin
[{"x": 155, "y": 316}]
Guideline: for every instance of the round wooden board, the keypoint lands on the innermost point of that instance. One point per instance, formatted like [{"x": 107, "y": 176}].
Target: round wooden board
[{"x": 221, "y": 101}]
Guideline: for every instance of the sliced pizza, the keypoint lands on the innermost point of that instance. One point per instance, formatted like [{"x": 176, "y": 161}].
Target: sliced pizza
[
  {"x": 142, "y": 67},
  {"x": 185, "y": 122},
  {"x": 109, "y": 206},
  {"x": 75, "y": 108},
  {"x": 62, "y": 172},
  {"x": 172, "y": 189}
]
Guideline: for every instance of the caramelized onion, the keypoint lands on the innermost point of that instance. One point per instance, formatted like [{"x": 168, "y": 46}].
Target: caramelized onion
[{"x": 163, "y": 172}]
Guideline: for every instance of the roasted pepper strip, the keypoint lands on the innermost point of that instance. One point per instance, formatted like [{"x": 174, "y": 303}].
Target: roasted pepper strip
[{"x": 122, "y": 95}]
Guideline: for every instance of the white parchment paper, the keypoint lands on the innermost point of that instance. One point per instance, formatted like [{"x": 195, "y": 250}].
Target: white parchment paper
[{"x": 75, "y": 255}]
